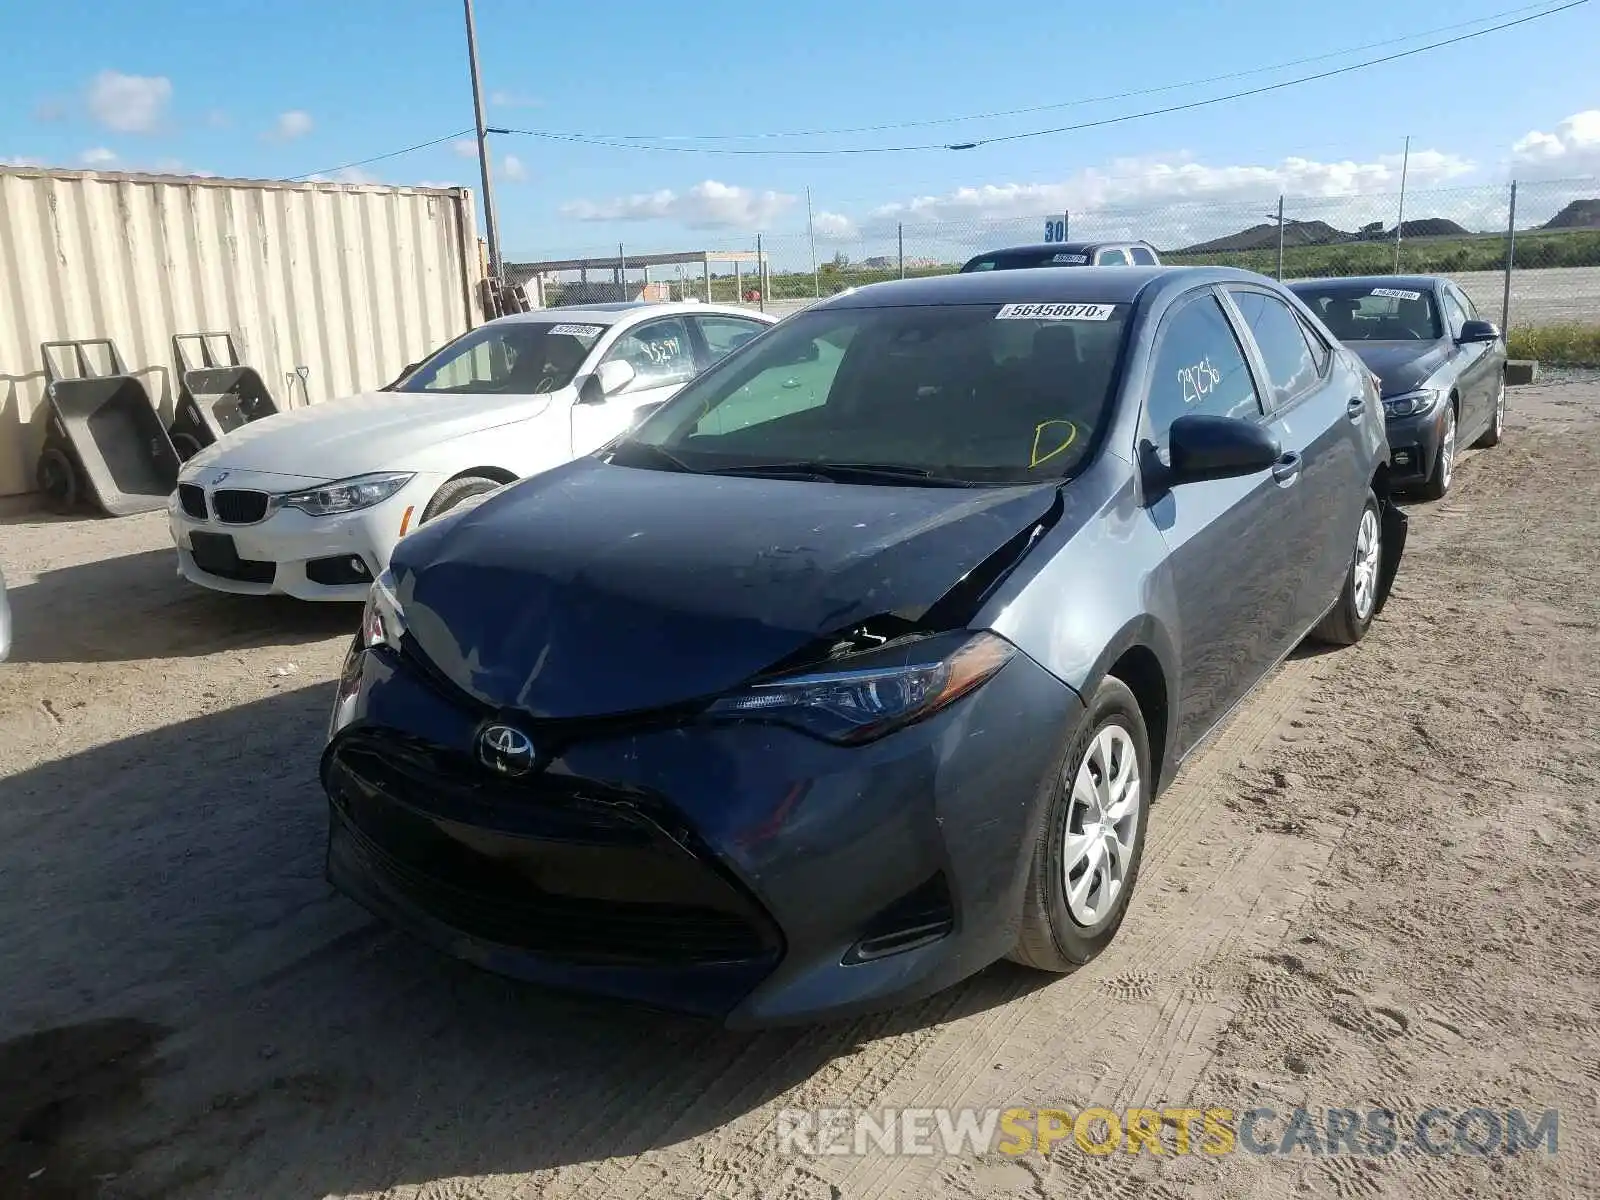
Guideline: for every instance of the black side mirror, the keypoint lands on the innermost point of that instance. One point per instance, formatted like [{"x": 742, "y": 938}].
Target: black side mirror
[
  {"x": 1201, "y": 447},
  {"x": 1478, "y": 331}
]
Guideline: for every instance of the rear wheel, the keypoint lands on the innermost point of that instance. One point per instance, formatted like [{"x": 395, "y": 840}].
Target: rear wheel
[
  {"x": 1444, "y": 466},
  {"x": 454, "y": 492},
  {"x": 56, "y": 480},
  {"x": 1352, "y": 614},
  {"x": 1086, "y": 856},
  {"x": 1497, "y": 423}
]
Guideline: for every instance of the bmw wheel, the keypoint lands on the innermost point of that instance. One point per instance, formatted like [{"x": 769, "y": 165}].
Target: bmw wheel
[
  {"x": 1444, "y": 466},
  {"x": 1086, "y": 857},
  {"x": 1497, "y": 424},
  {"x": 1351, "y": 616}
]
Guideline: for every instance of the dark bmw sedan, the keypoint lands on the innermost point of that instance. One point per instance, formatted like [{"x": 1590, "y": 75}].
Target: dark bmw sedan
[
  {"x": 856, "y": 666},
  {"x": 1441, "y": 367}
]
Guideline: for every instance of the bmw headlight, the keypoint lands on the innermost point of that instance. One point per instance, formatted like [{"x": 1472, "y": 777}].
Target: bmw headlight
[
  {"x": 1411, "y": 404},
  {"x": 870, "y": 694},
  {"x": 346, "y": 495},
  {"x": 382, "y": 621}
]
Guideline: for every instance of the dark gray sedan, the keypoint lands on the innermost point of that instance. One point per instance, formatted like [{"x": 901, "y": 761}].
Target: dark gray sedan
[
  {"x": 1442, "y": 368},
  {"x": 855, "y": 666}
]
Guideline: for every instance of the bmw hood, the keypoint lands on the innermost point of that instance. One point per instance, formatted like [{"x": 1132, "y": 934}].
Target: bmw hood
[
  {"x": 1402, "y": 366},
  {"x": 367, "y": 432},
  {"x": 594, "y": 589}
]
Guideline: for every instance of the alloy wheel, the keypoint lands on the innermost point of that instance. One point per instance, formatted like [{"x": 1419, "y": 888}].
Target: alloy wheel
[
  {"x": 1365, "y": 571},
  {"x": 1447, "y": 451},
  {"x": 1107, "y": 803}
]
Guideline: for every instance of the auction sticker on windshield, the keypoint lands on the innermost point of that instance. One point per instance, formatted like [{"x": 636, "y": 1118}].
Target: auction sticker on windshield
[
  {"x": 1055, "y": 312},
  {"x": 576, "y": 330},
  {"x": 1397, "y": 294},
  {"x": 1070, "y": 258}
]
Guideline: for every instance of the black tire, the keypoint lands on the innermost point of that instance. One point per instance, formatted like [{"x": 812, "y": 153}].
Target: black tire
[
  {"x": 1050, "y": 937},
  {"x": 1346, "y": 624},
  {"x": 187, "y": 446},
  {"x": 454, "y": 492},
  {"x": 1496, "y": 432},
  {"x": 56, "y": 480},
  {"x": 1438, "y": 484}
]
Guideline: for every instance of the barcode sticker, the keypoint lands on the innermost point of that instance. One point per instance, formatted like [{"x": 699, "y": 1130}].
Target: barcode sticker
[
  {"x": 1055, "y": 312},
  {"x": 1397, "y": 294},
  {"x": 576, "y": 330}
]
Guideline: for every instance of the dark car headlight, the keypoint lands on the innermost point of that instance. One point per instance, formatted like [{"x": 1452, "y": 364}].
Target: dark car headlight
[
  {"x": 1411, "y": 404},
  {"x": 866, "y": 695}
]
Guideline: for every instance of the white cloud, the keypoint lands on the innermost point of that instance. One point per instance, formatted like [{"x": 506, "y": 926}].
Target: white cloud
[
  {"x": 344, "y": 175},
  {"x": 832, "y": 226},
  {"x": 513, "y": 168},
  {"x": 505, "y": 99},
  {"x": 707, "y": 205},
  {"x": 99, "y": 156},
  {"x": 19, "y": 162},
  {"x": 465, "y": 147},
  {"x": 129, "y": 103},
  {"x": 1573, "y": 149},
  {"x": 290, "y": 125}
]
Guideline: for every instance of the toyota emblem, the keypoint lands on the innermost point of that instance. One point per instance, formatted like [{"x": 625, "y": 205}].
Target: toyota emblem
[{"x": 506, "y": 751}]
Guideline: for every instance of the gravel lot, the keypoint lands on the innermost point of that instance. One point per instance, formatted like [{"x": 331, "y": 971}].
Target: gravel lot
[{"x": 1378, "y": 886}]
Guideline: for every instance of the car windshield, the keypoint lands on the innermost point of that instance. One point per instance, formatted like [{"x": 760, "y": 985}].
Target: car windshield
[
  {"x": 1015, "y": 260},
  {"x": 1374, "y": 313},
  {"x": 968, "y": 393},
  {"x": 519, "y": 357}
]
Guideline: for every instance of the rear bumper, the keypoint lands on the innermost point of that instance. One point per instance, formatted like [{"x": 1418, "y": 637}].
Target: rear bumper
[{"x": 745, "y": 873}]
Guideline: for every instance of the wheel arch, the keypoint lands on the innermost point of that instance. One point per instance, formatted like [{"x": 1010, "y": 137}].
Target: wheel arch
[{"x": 1142, "y": 656}]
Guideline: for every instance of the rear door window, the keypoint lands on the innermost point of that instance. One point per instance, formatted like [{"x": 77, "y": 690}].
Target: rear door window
[
  {"x": 1291, "y": 367},
  {"x": 1142, "y": 257},
  {"x": 1114, "y": 257}
]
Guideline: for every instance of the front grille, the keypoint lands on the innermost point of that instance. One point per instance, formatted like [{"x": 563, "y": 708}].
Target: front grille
[
  {"x": 239, "y": 507},
  {"x": 192, "y": 498},
  {"x": 244, "y": 570},
  {"x": 567, "y": 869}
]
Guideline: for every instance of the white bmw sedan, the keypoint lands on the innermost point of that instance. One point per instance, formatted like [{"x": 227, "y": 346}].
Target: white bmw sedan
[{"x": 310, "y": 502}]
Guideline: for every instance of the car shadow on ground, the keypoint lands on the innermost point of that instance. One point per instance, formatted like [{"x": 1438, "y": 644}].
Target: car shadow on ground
[
  {"x": 137, "y": 607},
  {"x": 192, "y": 1010}
]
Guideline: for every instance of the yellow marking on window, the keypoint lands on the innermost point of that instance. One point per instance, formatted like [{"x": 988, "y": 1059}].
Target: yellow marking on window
[{"x": 1038, "y": 436}]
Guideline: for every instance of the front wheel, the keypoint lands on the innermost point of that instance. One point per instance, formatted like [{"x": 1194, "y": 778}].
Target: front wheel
[
  {"x": 454, "y": 492},
  {"x": 1497, "y": 423},
  {"x": 1086, "y": 856},
  {"x": 1352, "y": 613},
  {"x": 1444, "y": 466}
]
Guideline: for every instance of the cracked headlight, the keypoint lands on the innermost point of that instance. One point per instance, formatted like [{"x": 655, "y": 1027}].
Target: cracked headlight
[
  {"x": 870, "y": 694},
  {"x": 346, "y": 495},
  {"x": 1411, "y": 404},
  {"x": 382, "y": 621}
]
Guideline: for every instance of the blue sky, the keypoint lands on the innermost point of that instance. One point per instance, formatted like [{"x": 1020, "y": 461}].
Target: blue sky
[{"x": 244, "y": 89}]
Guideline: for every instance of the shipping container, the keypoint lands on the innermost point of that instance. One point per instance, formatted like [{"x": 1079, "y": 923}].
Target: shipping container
[{"x": 352, "y": 281}]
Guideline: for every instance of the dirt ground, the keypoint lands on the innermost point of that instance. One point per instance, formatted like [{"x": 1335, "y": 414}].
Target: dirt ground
[{"x": 1378, "y": 887}]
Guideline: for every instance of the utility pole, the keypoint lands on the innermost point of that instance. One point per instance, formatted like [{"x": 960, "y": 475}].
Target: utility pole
[
  {"x": 811, "y": 230},
  {"x": 1400, "y": 221},
  {"x": 490, "y": 226}
]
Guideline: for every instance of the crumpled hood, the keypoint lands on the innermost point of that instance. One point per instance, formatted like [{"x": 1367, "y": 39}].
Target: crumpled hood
[
  {"x": 366, "y": 432},
  {"x": 1402, "y": 366},
  {"x": 594, "y": 589}
]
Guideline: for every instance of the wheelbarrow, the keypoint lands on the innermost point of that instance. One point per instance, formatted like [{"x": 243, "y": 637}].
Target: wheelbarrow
[
  {"x": 216, "y": 392},
  {"x": 105, "y": 444}
]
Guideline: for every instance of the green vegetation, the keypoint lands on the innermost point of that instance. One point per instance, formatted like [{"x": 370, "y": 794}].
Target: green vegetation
[{"x": 1570, "y": 344}]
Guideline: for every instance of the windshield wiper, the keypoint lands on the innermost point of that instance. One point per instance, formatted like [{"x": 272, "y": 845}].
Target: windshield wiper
[
  {"x": 671, "y": 461},
  {"x": 838, "y": 472}
]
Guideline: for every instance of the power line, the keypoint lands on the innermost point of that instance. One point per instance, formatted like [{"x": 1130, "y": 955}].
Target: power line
[
  {"x": 380, "y": 157},
  {"x": 1015, "y": 112},
  {"x": 612, "y": 143}
]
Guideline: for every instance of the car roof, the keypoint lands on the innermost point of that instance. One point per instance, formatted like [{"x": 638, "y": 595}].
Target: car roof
[
  {"x": 1415, "y": 282},
  {"x": 1064, "y": 247},
  {"x": 1037, "y": 285},
  {"x": 623, "y": 312}
]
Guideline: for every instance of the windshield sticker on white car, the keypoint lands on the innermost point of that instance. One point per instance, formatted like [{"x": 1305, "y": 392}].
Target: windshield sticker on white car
[
  {"x": 1070, "y": 258},
  {"x": 1397, "y": 294},
  {"x": 1198, "y": 381},
  {"x": 1054, "y": 312},
  {"x": 579, "y": 331}
]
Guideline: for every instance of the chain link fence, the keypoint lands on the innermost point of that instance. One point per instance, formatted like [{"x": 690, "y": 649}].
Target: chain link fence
[{"x": 1527, "y": 253}]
